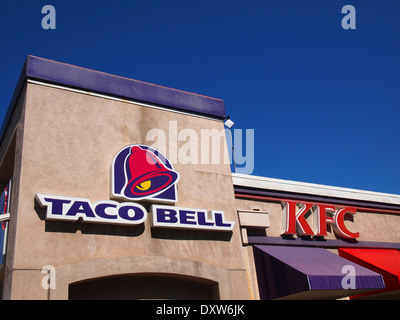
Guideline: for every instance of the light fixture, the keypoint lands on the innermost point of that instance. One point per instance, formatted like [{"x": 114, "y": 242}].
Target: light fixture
[{"x": 228, "y": 122}]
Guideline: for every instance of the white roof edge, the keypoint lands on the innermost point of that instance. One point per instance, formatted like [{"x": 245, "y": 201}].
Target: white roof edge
[{"x": 251, "y": 181}]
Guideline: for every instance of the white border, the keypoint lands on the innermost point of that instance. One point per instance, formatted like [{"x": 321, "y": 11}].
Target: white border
[{"x": 245, "y": 180}]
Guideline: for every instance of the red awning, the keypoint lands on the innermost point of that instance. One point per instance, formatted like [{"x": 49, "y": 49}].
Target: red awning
[{"x": 383, "y": 261}]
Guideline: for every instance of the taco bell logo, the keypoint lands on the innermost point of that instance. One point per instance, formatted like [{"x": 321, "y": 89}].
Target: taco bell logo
[{"x": 141, "y": 172}]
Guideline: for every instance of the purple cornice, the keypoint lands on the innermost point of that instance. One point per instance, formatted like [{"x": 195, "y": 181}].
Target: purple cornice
[{"x": 99, "y": 82}]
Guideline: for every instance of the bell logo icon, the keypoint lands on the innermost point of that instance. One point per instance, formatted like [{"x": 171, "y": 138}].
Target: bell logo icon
[{"x": 141, "y": 172}]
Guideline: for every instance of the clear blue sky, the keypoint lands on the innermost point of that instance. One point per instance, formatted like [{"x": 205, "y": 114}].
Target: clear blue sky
[{"x": 323, "y": 101}]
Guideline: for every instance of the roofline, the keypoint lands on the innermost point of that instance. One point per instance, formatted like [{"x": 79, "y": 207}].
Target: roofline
[
  {"x": 256, "y": 185},
  {"x": 71, "y": 76}
]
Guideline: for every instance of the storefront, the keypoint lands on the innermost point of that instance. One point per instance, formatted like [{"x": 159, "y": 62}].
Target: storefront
[
  {"x": 308, "y": 241},
  {"x": 119, "y": 189}
]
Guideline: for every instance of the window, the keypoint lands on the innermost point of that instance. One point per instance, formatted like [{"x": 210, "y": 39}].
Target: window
[{"x": 4, "y": 217}]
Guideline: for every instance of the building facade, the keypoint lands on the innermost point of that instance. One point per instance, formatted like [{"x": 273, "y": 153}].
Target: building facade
[
  {"x": 309, "y": 241},
  {"x": 119, "y": 189}
]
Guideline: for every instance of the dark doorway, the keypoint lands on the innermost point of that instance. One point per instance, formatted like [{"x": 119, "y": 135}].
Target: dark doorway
[{"x": 144, "y": 286}]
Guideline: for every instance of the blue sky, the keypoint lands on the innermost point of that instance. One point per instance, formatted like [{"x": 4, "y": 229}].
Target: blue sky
[{"x": 323, "y": 101}]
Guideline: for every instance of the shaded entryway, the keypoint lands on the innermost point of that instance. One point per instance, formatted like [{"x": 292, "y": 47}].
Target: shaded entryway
[{"x": 144, "y": 286}]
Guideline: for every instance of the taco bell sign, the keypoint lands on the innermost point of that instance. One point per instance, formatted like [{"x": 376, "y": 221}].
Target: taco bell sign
[{"x": 139, "y": 172}]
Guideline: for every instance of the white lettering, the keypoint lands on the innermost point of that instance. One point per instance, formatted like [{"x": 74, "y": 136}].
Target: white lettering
[
  {"x": 49, "y": 280},
  {"x": 349, "y": 280},
  {"x": 218, "y": 309},
  {"x": 189, "y": 218},
  {"x": 173, "y": 310},
  {"x": 63, "y": 208},
  {"x": 49, "y": 20},
  {"x": 69, "y": 208},
  {"x": 349, "y": 20},
  {"x": 212, "y": 146}
]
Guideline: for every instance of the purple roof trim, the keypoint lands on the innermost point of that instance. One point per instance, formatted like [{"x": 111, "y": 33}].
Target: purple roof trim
[
  {"x": 321, "y": 243},
  {"x": 77, "y": 77},
  {"x": 104, "y": 83},
  {"x": 291, "y": 270}
]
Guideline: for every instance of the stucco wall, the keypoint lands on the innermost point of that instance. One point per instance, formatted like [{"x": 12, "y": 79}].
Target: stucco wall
[{"x": 66, "y": 145}]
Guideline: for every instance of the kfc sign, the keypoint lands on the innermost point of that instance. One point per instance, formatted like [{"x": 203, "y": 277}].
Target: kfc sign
[{"x": 295, "y": 213}]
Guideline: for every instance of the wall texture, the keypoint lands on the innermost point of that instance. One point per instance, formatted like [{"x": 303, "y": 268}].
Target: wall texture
[{"x": 65, "y": 144}]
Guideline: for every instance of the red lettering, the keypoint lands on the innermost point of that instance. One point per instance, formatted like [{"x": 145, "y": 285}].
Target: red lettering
[
  {"x": 296, "y": 222},
  {"x": 339, "y": 225},
  {"x": 322, "y": 219}
]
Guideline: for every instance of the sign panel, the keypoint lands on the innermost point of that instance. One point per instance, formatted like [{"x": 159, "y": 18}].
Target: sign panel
[
  {"x": 295, "y": 213},
  {"x": 139, "y": 172},
  {"x": 103, "y": 211},
  {"x": 189, "y": 218}
]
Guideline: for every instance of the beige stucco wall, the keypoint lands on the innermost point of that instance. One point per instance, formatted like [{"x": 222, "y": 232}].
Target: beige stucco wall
[{"x": 66, "y": 142}]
